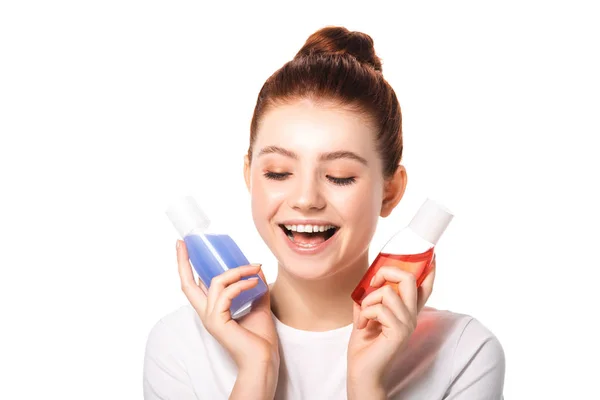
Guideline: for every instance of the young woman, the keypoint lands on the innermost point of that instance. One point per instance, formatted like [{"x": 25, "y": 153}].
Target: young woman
[{"x": 322, "y": 166}]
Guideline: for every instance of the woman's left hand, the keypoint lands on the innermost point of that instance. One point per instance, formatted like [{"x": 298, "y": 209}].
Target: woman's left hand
[{"x": 383, "y": 325}]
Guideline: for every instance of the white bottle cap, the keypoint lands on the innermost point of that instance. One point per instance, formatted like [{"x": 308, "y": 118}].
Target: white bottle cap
[
  {"x": 431, "y": 221},
  {"x": 186, "y": 215}
]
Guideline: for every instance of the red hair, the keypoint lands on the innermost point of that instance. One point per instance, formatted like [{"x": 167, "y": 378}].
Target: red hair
[{"x": 341, "y": 66}]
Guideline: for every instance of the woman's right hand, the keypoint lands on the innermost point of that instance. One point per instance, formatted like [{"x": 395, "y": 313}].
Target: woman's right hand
[{"x": 251, "y": 341}]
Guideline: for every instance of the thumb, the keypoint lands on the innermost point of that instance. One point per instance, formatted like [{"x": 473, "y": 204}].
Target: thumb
[
  {"x": 426, "y": 287},
  {"x": 355, "y": 313},
  {"x": 265, "y": 301},
  {"x": 261, "y": 274}
]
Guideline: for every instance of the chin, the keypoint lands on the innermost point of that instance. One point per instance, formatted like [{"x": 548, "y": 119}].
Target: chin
[{"x": 307, "y": 269}]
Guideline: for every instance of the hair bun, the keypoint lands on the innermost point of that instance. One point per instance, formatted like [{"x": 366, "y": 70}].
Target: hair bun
[{"x": 339, "y": 40}]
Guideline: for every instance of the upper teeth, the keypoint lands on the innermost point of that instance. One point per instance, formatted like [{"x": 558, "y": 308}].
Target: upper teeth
[{"x": 309, "y": 228}]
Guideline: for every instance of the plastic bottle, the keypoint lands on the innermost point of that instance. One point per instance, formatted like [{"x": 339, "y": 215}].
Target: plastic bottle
[
  {"x": 212, "y": 253},
  {"x": 411, "y": 249}
]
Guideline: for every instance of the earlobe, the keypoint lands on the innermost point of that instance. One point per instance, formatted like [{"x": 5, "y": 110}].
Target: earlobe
[
  {"x": 393, "y": 191},
  {"x": 247, "y": 171}
]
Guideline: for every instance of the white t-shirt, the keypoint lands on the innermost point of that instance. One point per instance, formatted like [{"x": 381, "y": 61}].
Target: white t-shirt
[{"x": 449, "y": 356}]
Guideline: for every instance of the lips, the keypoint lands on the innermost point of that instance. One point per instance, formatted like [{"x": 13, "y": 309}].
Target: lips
[{"x": 308, "y": 239}]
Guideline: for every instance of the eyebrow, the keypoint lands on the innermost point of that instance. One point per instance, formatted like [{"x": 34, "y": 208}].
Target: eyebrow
[{"x": 336, "y": 155}]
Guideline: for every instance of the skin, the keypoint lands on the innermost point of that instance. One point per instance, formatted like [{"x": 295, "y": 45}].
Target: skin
[{"x": 315, "y": 161}]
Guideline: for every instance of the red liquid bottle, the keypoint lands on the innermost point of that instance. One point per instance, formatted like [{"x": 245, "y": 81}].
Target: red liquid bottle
[{"x": 411, "y": 249}]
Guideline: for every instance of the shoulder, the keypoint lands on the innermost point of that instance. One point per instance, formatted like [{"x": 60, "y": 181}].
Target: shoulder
[
  {"x": 183, "y": 317},
  {"x": 461, "y": 335},
  {"x": 478, "y": 356},
  {"x": 461, "y": 354},
  {"x": 182, "y": 360},
  {"x": 175, "y": 331},
  {"x": 452, "y": 325},
  {"x": 449, "y": 355}
]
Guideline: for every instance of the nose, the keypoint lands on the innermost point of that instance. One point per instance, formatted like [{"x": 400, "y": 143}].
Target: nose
[{"x": 307, "y": 195}]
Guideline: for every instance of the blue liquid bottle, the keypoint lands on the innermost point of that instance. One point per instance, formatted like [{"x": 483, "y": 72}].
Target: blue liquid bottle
[{"x": 212, "y": 253}]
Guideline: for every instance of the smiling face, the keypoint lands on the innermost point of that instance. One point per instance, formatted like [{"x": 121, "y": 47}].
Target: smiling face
[{"x": 317, "y": 187}]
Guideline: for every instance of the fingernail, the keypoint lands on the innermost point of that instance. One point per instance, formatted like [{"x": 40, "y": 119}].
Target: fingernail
[
  {"x": 371, "y": 283},
  {"x": 255, "y": 265},
  {"x": 177, "y": 244}
]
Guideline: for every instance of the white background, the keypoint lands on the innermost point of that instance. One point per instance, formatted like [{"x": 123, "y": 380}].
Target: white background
[{"x": 108, "y": 109}]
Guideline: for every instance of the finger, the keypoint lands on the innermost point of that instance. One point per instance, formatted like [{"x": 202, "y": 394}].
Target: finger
[
  {"x": 226, "y": 278},
  {"x": 387, "y": 296},
  {"x": 426, "y": 288},
  {"x": 188, "y": 285},
  {"x": 379, "y": 313},
  {"x": 407, "y": 284},
  {"x": 224, "y": 301}
]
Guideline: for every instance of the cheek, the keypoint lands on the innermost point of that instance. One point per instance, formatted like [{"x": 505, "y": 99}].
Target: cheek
[
  {"x": 265, "y": 199},
  {"x": 366, "y": 214},
  {"x": 361, "y": 213},
  {"x": 362, "y": 204}
]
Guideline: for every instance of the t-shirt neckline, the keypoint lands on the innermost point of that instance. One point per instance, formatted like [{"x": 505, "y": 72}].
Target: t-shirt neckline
[{"x": 300, "y": 334}]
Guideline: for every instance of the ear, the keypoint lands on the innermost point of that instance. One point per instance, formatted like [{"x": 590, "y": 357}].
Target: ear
[
  {"x": 394, "y": 188},
  {"x": 247, "y": 171}
]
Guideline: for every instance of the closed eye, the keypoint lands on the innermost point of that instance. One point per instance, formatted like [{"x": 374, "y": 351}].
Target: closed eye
[
  {"x": 342, "y": 181},
  {"x": 280, "y": 176},
  {"x": 277, "y": 176}
]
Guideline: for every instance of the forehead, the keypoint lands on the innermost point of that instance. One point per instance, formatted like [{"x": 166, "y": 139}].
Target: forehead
[{"x": 305, "y": 126}]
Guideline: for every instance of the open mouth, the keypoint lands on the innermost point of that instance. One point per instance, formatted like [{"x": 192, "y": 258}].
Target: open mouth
[{"x": 309, "y": 235}]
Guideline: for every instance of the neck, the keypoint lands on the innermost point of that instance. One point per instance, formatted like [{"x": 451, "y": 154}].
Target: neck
[{"x": 317, "y": 305}]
